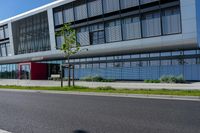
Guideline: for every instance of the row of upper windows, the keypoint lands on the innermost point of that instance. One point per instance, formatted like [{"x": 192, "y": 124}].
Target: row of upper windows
[
  {"x": 157, "y": 23},
  {"x": 4, "y": 32},
  {"x": 74, "y": 12}
]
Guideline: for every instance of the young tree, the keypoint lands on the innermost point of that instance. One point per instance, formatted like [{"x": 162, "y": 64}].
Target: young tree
[{"x": 69, "y": 46}]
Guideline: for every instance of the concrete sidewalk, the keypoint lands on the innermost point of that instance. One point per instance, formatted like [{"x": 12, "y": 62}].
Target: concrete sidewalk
[{"x": 118, "y": 85}]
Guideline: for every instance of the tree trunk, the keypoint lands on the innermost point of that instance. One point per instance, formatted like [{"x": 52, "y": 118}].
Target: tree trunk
[
  {"x": 61, "y": 75},
  {"x": 69, "y": 75},
  {"x": 73, "y": 75}
]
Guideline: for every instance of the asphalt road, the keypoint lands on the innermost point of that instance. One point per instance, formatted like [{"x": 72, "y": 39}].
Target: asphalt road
[{"x": 22, "y": 112}]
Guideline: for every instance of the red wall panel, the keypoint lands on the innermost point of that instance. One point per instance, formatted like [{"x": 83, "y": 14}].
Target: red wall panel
[{"x": 39, "y": 71}]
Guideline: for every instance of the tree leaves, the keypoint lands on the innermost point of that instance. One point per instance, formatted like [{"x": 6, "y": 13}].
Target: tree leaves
[{"x": 69, "y": 46}]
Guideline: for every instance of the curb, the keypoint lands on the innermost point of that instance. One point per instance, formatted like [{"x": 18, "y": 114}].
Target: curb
[{"x": 142, "y": 96}]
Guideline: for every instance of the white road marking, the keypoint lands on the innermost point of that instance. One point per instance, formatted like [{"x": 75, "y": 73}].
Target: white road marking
[{"x": 3, "y": 131}]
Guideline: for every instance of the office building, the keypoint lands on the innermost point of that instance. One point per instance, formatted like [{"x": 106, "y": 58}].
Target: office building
[{"x": 126, "y": 39}]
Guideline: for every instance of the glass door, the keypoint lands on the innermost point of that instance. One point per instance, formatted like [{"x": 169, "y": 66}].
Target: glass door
[{"x": 25, "y": 71}]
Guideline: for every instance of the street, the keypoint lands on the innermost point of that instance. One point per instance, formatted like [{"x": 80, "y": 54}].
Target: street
[{"x": 23, "y": 112}]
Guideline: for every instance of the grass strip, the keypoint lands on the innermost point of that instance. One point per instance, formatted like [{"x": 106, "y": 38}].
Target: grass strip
[{"x": 110, "y": 90}]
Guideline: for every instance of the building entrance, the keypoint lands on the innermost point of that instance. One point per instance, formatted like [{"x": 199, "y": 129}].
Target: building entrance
[
  {"x": 33, "y": 71},
  {"x": 25, "y": 71}
]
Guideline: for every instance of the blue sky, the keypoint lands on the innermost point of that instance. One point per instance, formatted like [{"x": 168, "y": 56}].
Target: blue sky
[{"x": 9, "y": 8}]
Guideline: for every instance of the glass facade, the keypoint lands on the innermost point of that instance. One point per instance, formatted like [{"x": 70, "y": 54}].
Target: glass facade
[
  {"x": 138, "y": 66},
  {"x": 146, "y": 59},
  {"x": 31, "y": 34},
  {"x": 9, "y": 71}
]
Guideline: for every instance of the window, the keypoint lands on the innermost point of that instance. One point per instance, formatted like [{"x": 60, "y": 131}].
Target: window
[
  {"x": 95, "y": 8},
  {"x": 59, "y": 41},
  {"x": 171, "y": 22},
  {"x": 151, "y": 25},
  {"x": 127, "y": 64},
  {"x": 144, "y": 63},
  {"x": 6, "y": 31},
  {"x": 96, "y": 65},
  {"x": 8, "y": 49},
  {"x": 83, "y": 36},
  {"x": 110, "y": 65},
  {"x": 80, "y": 11},
  {"x": 97, "y": 34},
  {"x": 190, "y": 61},
  {"x": 68, "y": 15},
  {"x": 102, "y": 65},
  {"x": 1, "y": 33},
  {"x": 166, "y": 54},
  {"x": 3, "y": 50},
  {"x": 165, "y": 62},
  {"x": 155, "y": 63},
  {"x": 176, "y": 53},
  {"x": 135, "y": 56},
  {"x": 113, "y": 31},
  {"x": 58, "y": 18},
  {"x": 129, "y": 3},
  {"x": 135, "y": 64},
  {"x": 126, "y": 56},
  {"x": 118, "y": 64},
  {"x": 110, "y": 5},
  {"x": 177, "y": 61},
  {"x": 131, "y": 28},
  {"x": 144, "y": 55},
  {"x": 154, "y": 54},
  {"x": 83, "y": 66},
  {"x": 190, "y": 52},
  {"x": 147, "y": 1}
]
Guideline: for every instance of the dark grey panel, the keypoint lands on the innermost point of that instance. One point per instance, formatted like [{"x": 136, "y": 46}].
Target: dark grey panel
[{"x": 31, "y": 34}]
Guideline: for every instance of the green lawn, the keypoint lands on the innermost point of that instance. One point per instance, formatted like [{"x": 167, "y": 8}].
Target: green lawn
[{"x": 110, "y": 90}]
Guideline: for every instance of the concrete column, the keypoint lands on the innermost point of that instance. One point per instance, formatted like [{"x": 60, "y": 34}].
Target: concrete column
[
  {"x": 51, "y": 29},
  {"x": 11, "y": 38}
]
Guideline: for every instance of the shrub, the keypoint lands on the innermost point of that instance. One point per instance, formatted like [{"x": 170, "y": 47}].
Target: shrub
[
  {"x": 172, "y": 79},
  {"x": 95, "y": 79},
  {"x": 106, "y": 88},
  {"x": 180, "y": 79},
  {"x": 152, "y": 81}
]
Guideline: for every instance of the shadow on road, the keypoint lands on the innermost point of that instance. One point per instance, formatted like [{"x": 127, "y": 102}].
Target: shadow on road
[{"x": 80, "y": 131}]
